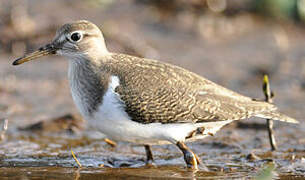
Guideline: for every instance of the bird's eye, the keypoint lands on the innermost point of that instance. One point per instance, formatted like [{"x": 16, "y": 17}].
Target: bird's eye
[{"x": 76, "y": 36}]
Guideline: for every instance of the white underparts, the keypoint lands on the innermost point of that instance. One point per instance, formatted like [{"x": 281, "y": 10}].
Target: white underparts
[{"x": 114, "y": 122}]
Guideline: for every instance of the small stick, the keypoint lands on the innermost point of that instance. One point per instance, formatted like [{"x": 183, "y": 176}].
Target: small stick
[
  {"x": 76, "y": 160},
  {"x": 268, "y": 98},
  {"x": 4, "y": 129},
  {"x": 111, "y": 143}
]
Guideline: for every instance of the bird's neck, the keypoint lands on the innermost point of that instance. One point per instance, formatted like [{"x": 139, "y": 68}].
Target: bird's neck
[{"x": 88, "y": 84}]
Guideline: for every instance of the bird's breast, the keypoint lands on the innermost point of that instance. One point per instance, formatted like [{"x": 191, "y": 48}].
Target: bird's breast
[{"x": 87, "y": 87}]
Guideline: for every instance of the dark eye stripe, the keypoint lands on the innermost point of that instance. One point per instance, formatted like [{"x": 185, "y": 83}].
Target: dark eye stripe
[{"x": 84, "y": 35}]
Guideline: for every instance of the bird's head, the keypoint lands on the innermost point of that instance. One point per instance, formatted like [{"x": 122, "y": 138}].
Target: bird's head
[{"x": 74, "y": 40}]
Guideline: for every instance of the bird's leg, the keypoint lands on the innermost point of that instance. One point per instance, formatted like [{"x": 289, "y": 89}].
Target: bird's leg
[
  {"x": 191, "y": 159},
  {"x": 149, "y": 155}
]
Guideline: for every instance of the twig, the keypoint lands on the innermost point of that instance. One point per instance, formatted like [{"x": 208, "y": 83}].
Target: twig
[
  {"x": 111, "y": 143},
  {"x": 4, "y": 129},
  {"x": 76, "y": 160},
  {"x": 268, "y": 98}
]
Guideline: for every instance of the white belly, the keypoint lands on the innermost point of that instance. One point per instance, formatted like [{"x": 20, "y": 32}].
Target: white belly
[{"x": 114, "y": 122}]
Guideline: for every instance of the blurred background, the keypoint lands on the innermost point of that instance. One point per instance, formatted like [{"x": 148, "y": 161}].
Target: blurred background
[{"x": 231, "y": 42}]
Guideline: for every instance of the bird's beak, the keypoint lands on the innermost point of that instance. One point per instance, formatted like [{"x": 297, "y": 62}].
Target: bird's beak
[{"x": 43, "y": 51}]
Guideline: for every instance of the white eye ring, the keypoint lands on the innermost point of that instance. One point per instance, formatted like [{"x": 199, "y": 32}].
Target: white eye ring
[{"x": 76, "y": 36}]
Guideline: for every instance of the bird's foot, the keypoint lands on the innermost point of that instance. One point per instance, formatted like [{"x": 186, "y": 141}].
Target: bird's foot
[{"x": 191, "y": 159}]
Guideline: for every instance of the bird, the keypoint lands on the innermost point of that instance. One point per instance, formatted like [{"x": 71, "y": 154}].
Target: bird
[{"x": 145, "y": 101}]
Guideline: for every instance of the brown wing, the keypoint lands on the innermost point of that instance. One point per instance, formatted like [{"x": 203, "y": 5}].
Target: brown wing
[{"x": 166, "y": 93}]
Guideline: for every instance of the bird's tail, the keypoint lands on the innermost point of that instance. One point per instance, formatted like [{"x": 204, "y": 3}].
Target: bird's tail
[{"x": 275, "y": 115}]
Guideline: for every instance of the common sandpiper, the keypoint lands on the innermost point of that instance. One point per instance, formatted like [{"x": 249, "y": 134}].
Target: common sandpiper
[{"x": 145, "y": 101}]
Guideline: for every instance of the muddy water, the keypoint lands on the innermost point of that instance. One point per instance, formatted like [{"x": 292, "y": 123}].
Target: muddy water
[{"x": 233, "y": 52}]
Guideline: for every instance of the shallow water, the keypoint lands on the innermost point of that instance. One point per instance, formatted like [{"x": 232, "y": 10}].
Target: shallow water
[
  {"x": 38, "y": 92},
  {"x": 48, "y": 156}
]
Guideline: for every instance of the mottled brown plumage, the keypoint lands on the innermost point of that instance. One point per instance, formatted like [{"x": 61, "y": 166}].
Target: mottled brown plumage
[{"x": 153, "y": 91}]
